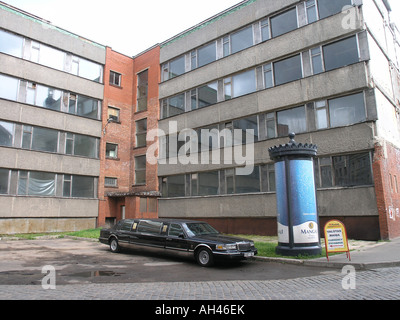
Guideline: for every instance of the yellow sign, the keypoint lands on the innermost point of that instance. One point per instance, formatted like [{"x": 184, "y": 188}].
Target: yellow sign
[{"x": 336, "y": 238}]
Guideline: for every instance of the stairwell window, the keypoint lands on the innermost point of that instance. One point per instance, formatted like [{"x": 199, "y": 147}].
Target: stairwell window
[{"x": 115, "y": 78}]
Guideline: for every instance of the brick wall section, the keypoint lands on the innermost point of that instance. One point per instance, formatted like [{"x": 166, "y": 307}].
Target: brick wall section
[
  {"x": 123, "y": 133},
  {"x": 386, "y": 167},
  {"x": 150, "y": 60}
]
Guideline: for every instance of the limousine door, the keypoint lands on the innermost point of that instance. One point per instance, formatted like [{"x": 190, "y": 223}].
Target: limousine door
[
  {"x": 176, "y": 239},
  {"x": 148, "y": 233}
]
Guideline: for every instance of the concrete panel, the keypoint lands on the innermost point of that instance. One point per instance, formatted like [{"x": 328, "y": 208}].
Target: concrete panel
[
  {"x": 43, "y": 207},
  {"x": 249, "y": 205},
  {"x": 44, "y": 225},
  {"x": 48, "y": 162},
  {"x": 347, "y": 202},
  {"x": 36, "y": 116}
]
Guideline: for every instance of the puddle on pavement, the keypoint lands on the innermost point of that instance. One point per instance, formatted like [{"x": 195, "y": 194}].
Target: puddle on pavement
[{"x": 97, "y": 273}]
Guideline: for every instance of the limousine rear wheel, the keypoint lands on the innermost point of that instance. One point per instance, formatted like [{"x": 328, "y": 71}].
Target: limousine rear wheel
[
  {"x": 114, "y": 246},
  {"x": 204, "y": 257}
]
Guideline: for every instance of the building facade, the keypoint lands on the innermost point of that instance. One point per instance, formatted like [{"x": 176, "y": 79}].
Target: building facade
[
  {"x": 128, "y": 186},
  {"x": 51, "y": 92},
  {"x": 238, "y": 83}
]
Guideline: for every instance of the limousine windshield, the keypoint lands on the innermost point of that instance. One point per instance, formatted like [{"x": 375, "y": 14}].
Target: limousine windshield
[{"x": 199, "y": 229}]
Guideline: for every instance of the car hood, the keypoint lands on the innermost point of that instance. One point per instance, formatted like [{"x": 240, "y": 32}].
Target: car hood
[{"x": 220, "y": 238}]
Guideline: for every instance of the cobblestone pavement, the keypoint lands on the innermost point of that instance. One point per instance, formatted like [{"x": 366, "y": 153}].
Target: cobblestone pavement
[{"x": 380, "y": 284}]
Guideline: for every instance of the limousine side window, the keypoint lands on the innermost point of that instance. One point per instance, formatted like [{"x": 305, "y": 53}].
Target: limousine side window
[
  {"x": 175, "y": 230},
  {"x": 126, "y": 225},
  {"x": 151, "y": 227}
]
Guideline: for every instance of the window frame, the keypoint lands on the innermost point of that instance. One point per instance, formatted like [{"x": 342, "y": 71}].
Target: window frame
[{"x": 115, "y": 79}]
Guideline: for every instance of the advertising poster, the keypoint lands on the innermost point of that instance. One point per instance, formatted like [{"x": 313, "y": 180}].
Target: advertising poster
[{"x": 303, "y": 202}]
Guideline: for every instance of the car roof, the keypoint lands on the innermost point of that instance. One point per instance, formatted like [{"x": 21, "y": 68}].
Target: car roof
[{"x": 166, "y": 220}]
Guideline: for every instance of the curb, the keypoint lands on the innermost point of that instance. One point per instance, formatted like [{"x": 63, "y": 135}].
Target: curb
[{"x": 333, "y": 265}]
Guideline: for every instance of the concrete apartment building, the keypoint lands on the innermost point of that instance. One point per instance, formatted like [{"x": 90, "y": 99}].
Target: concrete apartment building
[
  {"x": 51, "y": 92},
  {"x": 327, "y": 72}
]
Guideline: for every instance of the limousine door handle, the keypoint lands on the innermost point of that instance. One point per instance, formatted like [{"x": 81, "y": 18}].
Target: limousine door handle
[{"x": 169, "y": 239}]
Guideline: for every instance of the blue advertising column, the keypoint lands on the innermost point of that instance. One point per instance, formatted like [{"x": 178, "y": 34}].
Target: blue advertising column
[{"x": 297, "y": 216}]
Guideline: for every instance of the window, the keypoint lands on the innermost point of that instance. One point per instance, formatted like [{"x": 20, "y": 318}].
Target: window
[
  {"x": 141, "y": 132},
  {"x": 327, "y": 8},
  {"x": 140, "y": 170},
  {"x": 270, "y": 125},
  {"x": 111, "y": 151},
  {"x": 4, "y": 181},
  {"x": 173, "y": 68},
  {"x": 240, "y": 84},
  {"x": 268, "y": 76},
  {"x": 78, "y": 187},
  {"x": 40, "y": 139},
  {"x": 83, "y": 106},
  {"x": 340, "y": 53},
  {"x": 204, "y": 55},
  {"x": 173, "y": 186},
  {"x": 6, "y": 134},
  {"x": 208, "y": 183},
  {"x": 344, "y": 171},
  {"x": 352, "y": 170},
  {"x": 80, "y": 145},
  {"x": 110, "y": 182},
  {"x": 173, "y": 106},
  {"x": 268, "y": 178},
  {"x": 250, "y": 123},
  {"x": 265, "y": 31},
  {"x": 204, "y": 96},
  {"x": 113, "y": 114},
  {"x": 151, "y": 227},
  {"x": 8, "y": 88},
  {"x": 48, "y": 98},
  {"x": 36, "y": 183},
  {"x": 347, "y": 110},
  {"x": 291, "y": 120},
  {"x": 126, "y": 225},
  {"x": 316, "y": 61},
  {"x": 175, "y": 230},
  {"x": 90, "y": 70},
  {"x": 142, "y": 91},
  {"x": 115, "y": 78},
  {"x": 11, "y": 44},
  {"x": 283, "y": 23},
  {"x": 248, "y": 183},
  {"x": 288, "y": 70},
  {"x": 241, "y": 40},
  {"x": 311, "y": 10},
  {"x": 49, "y": 56}
]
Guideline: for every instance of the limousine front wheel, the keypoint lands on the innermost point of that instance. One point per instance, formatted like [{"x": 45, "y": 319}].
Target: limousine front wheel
[
  {"x": 114, "y": 246},
  {"x": 204, "y": 257}
]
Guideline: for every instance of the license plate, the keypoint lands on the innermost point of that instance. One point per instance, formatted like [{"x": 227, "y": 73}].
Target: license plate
[{"x": 249, "y": 254}]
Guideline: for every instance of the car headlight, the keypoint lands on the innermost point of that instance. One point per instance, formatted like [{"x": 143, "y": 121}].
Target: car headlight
[{"x": 231, "y": 246}]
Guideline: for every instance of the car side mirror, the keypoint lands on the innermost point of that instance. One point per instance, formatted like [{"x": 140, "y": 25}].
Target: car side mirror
[{"x": 182, "y": 236}]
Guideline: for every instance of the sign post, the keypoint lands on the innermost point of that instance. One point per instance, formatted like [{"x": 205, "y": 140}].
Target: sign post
[{"x": 336, "y": 238}]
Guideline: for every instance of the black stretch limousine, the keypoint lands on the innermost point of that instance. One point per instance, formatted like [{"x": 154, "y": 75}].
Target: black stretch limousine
[{"x": 194, "y": 238}]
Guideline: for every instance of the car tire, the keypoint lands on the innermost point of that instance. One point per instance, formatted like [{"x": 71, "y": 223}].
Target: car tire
[
  {"x": 204, "y": 257},
  {"x": 114, "y": 246}
]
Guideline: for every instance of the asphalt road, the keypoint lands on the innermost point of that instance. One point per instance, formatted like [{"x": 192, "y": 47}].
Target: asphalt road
[{"x": 85, "y": 262}]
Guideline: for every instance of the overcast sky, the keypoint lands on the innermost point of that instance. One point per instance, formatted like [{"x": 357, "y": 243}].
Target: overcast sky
[
  {"x": 128, "y": 26},
  {"x": 131, "y": 26}
]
